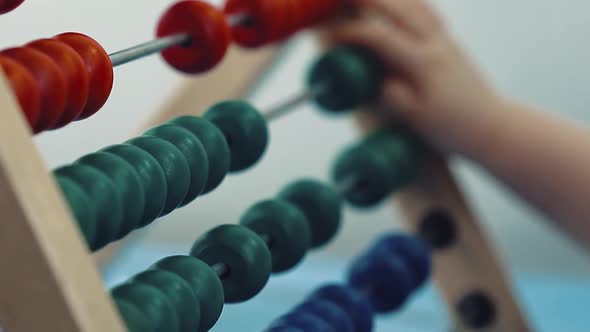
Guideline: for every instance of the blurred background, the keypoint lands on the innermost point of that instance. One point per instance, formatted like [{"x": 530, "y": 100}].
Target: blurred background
[{"x": 535, "y": 50}]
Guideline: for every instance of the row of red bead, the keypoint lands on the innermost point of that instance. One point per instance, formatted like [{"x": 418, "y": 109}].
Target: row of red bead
[
  {"x": 58, "y": 80},
  {"x": 70, "y": 77}
]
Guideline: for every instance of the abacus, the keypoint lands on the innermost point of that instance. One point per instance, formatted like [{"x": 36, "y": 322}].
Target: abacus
[{"x": 54, "y": 219}]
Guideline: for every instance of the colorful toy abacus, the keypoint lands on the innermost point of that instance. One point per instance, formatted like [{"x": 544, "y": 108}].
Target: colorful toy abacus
[{"x": 127, "y": 186}]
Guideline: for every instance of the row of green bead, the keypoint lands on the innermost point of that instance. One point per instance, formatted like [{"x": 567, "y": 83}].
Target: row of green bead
[
  {"x": 123, "y": 187},
  {"x": 179, "y": 293}
]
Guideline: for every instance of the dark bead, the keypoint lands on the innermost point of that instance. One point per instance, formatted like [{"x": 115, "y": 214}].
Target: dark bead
[
  {"x": 347, "y": 77},
  {"x": 285, "y": 229},
  {"x": 243, "y": 253},
  {"x": 83, "y": 208},
  {"x": 215, "y": 145},
  {"x": 384, "y": 278},
  {"x": 245, "y": 130},
  {"x": 300, "y": 322},
  {"x": 204, "y": 283},
  {"x": 151, "y": 302},
  {"x": 194, "y": 154},
  {"x": 330, "y": 312},
  {"x": 152, "y": 177},
  {"x": 174, "y": 165},
  {"x": 128, "y": 183},
  {"x": 105, "y": 196},
  {"x": 320, "y": 204},
  {"x": 135, "y": 319},
  {"x": 413, "y": 251},
  {"x": 179, "y": 293},
  {"x": 353, "y": 303}
]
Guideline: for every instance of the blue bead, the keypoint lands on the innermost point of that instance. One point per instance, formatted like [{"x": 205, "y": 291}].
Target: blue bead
[
  {"x": 353, "y": 303},
  {"x": 413, "y": 251},
  {"x": 300, "y": 321},
  {"x": 384, "y": 278},
  {"x": 328, "y": 311}
]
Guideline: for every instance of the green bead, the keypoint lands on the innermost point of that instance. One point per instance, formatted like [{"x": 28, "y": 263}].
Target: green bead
[
  {"x": 245, "y": 130},
  {"x": 243, "y": 252},
  {"x": 151, "y": 175},
  {"x": 215, "y": 145},
  {"x": 383, "y": 163},
  {"x": 105, "y": 196},
  {"x": 82, "y": 207},
  {"x": 348, "y": 78},
  {"x": 286, "y": 229},
  {"x": 134, "y": 319},
  {"x": 152, "y": 302},
  {"x": 204, "y": 283},
  {"x": 194, "y": 153},
  {"x": 174, "y": 165},
  {"x": 321, "y": 205},
  {"x": 127, "y": 181},
  {"x": 179, "y": 293}
]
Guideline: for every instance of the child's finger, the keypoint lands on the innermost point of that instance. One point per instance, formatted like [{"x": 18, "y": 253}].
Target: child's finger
[{"x": 392, "y": 46}]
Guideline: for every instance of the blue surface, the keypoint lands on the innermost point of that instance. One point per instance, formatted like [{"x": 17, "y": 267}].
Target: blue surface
[{"x": 552, "y": 302}]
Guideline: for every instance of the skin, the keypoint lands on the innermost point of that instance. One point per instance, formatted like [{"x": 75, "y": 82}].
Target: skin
[{"x": 434, "y": 87}]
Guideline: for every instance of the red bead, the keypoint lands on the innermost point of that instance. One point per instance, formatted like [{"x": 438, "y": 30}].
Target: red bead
[
  {"x": 24, "y": 87},
  {"x": 209, "y": 32},
  {"x": 50, "y": 80},
  {"x": 98, "y": 67},
  {"x": 74, "y": 70},
  {"x": 8, "y": 5},
  {"x": 252, "y": 33}
]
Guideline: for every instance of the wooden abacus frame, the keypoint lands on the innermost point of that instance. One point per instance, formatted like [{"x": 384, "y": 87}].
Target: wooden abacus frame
[{"x": 50, "y": 282}]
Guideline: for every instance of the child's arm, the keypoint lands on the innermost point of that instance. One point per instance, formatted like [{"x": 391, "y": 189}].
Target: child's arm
[{"x": 436, "y": 89}]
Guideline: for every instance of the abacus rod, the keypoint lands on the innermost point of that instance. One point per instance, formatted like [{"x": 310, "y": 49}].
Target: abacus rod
[
  {"x": 159, "y": 44},
  {"x": 291, "y": 104},
  {"x": 148, "y": 48}
]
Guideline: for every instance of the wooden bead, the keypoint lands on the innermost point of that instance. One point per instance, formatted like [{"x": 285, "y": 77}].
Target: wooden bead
[
  {"x": 194, "y": 154},
  {"x": 50, "y": 80},
  {"x": 384, "y": 278},
  {"x": 349, "y": 77},
  {"x": 204, "y": 283},
  {"x": 286, "y": 229},
  {"x": 320, "y": 204},
  {"x": 179, "y": 293},
  {"x": 98, "y": 67},
  {"x": 300, "y": 321},
  {"x": 152, "y": 176},
  {"x": 209, "y": 32},
  {"x": 353, "y": 303},
  {"x": 82, "y": 207},
  {"x": 135, "y": 320},
  {"x": 244, "y": 253},
  {"x": 25, "y": 89},
  {"x": 105, "y": 196},
  {"x": 74, "y": 70},
  {"x": 9, "y": 5},
  {"x": 174, "y": 165},
  {"x": 128, "y": 184},
  {"x": 215, "y": 145},
  {"x": 152, "y": 302},
  {"x": 252, "y": 33},
  {"x": 245, "y": 130},
  {"x": 330, "y": 312},
  {"x": 382, "y": 163}
]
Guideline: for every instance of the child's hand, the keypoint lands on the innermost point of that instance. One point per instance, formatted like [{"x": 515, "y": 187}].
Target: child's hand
[{"x": 431, "y": 83}]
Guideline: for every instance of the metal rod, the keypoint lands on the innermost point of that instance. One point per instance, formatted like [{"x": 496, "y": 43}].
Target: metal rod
[
  {"x": 160, "y": 44},
  {"x": 148, "y": 48},
  {"x": 291, "y": 104}
]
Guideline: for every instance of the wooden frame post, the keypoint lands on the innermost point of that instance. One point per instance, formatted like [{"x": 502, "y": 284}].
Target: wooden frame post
[{"x": 48, "y": 281}]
